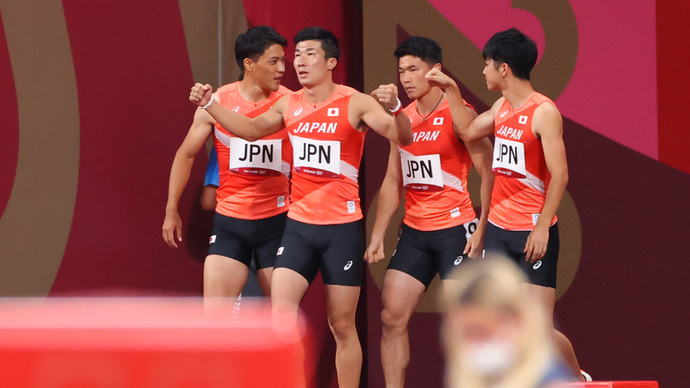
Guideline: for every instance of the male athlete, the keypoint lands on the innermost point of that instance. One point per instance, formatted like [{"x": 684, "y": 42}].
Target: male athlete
[
  {"x": 440, "y": 228},
  {"x": 253, "y": 188},
  {"x": 530, "y": 165},
  {"x": 326, "y": 123}
]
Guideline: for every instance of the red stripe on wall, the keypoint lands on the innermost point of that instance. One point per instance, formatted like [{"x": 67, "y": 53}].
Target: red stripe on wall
[
  {"x": 9, "y": 117},
  {"x": 673, "y": 81},
  {"x": 133, "y": 78}
]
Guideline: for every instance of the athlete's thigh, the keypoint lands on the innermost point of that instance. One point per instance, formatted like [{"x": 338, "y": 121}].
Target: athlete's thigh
[
  {"x": 401, "y": 294},
  {"x": 342, "y": 303},
  {"x": 223, "y": 276},
  {"x": 287, "y": 287},
  {"x": 296, "y": 252},
  {"x": 413, "y": 257},
  {"x": 545, "y": 296},
  {"x": 341, "y": 250},
  {"x": 227, "y": 239}
]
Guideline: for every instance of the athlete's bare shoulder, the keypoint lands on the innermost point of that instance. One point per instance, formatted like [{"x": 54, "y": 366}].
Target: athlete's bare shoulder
[
  {"x": 547, "y": 120},
  {"x": 497, "y": 105}
]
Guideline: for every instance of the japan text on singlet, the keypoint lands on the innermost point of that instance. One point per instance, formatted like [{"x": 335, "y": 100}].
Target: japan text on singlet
[
  {"x": 253, "y": 175},
  {"x": 520, "y": 168},
  {"x": 327, "y": 151},
  {"x": 434, "y": 172}
]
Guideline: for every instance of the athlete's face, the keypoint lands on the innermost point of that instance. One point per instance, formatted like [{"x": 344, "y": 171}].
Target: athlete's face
[
  {"x": 269, "y": 68},
  {"x": 311, "y": 64},
  {"x": 412, "y": 70},
  {"x": 492, "y": 74}
]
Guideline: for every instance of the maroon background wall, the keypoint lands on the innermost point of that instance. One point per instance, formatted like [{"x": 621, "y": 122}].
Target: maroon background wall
[{"x": 625, "y": 313}]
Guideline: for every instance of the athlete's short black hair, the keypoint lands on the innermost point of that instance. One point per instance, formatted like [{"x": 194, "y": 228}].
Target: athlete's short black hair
[
  {"x": 424, "y": 48},
  {"x": 514, "y": 48},
  {"x": 329, "y": 42},
  {"x": 253, "y": 43}
]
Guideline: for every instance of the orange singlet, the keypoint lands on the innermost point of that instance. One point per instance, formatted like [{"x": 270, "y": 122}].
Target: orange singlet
[
  {"x": 522, "y": 178},
  {"x": 434, "y": 172},
  {"x": 254, "y": 176},
  {"x": 327, "y": 153}
]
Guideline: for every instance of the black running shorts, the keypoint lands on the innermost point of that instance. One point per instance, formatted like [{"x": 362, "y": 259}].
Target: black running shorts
[
  {"x": 511, "y": 243},
  {"x": 423, "y": 254},
  {"x": 336, "y": 250},
  {"x": 241, "y": 239}
]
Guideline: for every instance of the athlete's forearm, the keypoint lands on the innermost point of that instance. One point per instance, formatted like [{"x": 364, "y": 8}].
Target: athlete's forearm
[
  {"x": 485, "y": 189},
  {"x": 554, "y": 195},
  {"x": 179, "y": 175},
  {"x": 402, "y": 130},
  {"x": 240, "y": 125},
  {"x": 458, "y": 112},
  {"x": 386, "y": 206}
]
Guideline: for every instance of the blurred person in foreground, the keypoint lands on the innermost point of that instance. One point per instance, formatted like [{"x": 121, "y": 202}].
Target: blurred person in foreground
[{"x": 495, "y": 334}]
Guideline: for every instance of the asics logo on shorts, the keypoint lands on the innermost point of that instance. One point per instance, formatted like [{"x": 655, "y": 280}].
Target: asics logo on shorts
[
  {"x": 458, "y": 261},
  {"x": 212, "y": 239},
  {"x": 280, "y": 251},
  {"x": 536, "y": 265},
  {"x": 348, "y": 265}
]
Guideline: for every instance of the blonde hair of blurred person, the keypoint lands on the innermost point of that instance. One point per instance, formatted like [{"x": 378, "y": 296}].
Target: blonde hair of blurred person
[{"x": 495, "y": 334}]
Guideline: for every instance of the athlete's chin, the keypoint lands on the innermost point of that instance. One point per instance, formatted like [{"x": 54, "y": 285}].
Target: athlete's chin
[{"x": 306, "y": 82}]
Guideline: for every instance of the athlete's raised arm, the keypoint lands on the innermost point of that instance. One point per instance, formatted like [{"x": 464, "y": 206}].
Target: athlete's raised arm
[
  {"x": 395, "y": 127},
  {"x": 239, "y": 125},
  {"x": 386, "y": 205},
  {"x": 199, "y": 131},
  {"x": 547, "y": 125},
  {"x": 466, "y": 126}
]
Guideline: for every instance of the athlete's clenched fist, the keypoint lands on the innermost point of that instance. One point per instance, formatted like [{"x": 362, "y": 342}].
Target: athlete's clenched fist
[
  {"x": 387, "y": 95},
  {"x": 438, "y": 78},
  {"x": 200, "y": 94}
]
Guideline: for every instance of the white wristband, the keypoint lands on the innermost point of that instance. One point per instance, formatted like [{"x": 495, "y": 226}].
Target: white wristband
[
  {"x": 397, "y": 107},
  {"x": 208, "y": 103}
]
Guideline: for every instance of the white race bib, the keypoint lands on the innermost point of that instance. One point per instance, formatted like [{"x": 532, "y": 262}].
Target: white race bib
[
  {"x": 261, "y": 157},
  {"x": 509, "y": 158},
  {"x": 316, "y": 157},
  {"x": 422, "y": 172}
]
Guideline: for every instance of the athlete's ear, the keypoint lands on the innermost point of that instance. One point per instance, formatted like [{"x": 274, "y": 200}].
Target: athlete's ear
[
  {"x": 331, "y": 63},
  {"x": 503, "y": 68},
  {"x": 248, "y": 64},
  {"x": 437, "y": 66}
]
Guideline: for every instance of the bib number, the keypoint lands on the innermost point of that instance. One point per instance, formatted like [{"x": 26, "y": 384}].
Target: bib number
[
  {"x": 422, "y": 173},
  {"x": 509, "y": 158},
  {"x": 316, "y": 157},
  {"x": 261, "y": 157}
]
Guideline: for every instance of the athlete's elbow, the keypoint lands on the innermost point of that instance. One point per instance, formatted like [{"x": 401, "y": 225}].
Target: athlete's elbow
[
  {"x": 465, "y": 136},
  {"x": 562, "y": 177},
  {"x": 406, "y": 140},
  {"x": 405, "y": 137}
]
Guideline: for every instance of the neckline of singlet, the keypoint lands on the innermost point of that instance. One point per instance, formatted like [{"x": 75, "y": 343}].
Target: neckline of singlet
[
  {"x": 424, "y": 118},
  {"x": 256, "y": 104},
  {"x": 317, "y": 106},
  {"x": 510, "y": 106}
]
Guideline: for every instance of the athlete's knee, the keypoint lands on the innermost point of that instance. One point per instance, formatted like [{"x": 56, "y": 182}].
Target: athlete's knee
[
  {"x": 342, "y": 327},
  {"x": 394, "y": 320}
]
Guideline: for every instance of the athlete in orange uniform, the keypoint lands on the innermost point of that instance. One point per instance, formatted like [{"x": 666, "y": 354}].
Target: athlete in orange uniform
[
  {"x": 439, "y": 217},
  {"x": 253, "y": 189},
  {"x": 326, "y": 124},
  {"x": 530, "y": 165}
]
